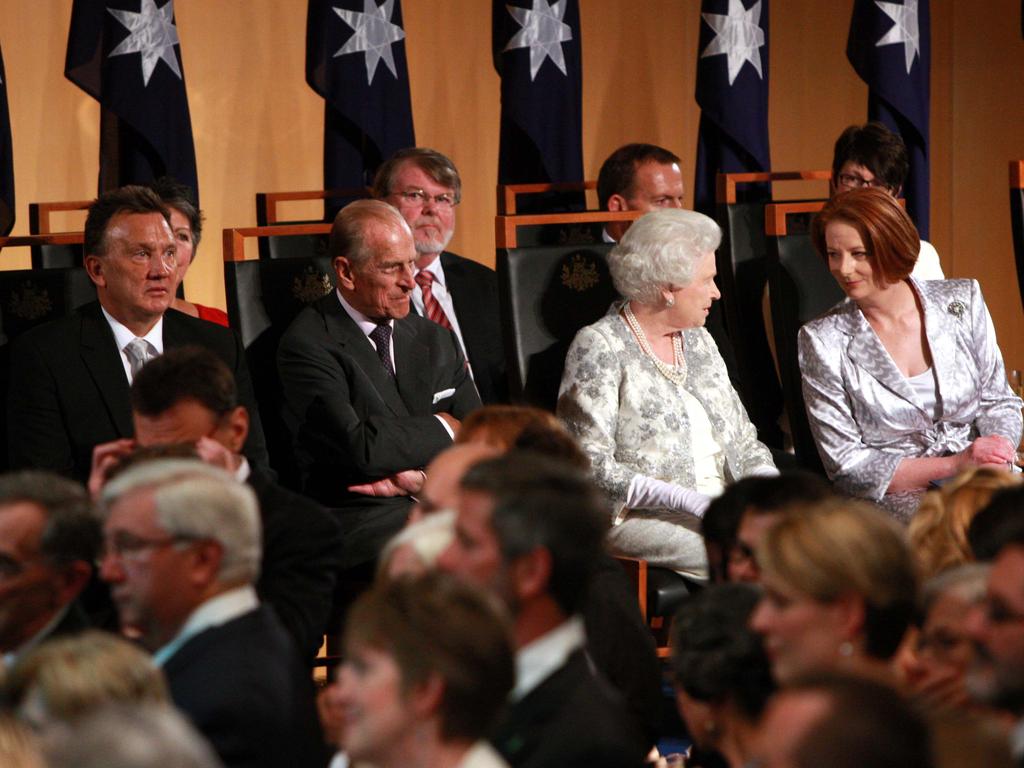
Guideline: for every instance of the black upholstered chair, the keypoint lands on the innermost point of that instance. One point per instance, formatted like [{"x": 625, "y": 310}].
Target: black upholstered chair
[
  {"x": 742, "y": 262},
  {"x": 30, "y": 297},
  {"x": 547, "y": 293},
  {"x": 263, "y": 297},
  {"x": 268, "y": 213},
  {"x": 1017, "y": 219},
  {"x": 800, "y": 288},
  {"x": 55, "y": 255}
]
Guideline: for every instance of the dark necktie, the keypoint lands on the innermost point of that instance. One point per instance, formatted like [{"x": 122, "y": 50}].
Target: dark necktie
[
  {"x": 431, "y": 306},
  {"x": 381, "y": 337}
]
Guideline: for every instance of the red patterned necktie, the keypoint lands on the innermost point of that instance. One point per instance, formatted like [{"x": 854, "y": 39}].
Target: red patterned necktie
[{"x": 431, "y": 306}]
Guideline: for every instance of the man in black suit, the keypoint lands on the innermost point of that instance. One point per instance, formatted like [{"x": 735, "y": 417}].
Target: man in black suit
[
  {"x": 456, "y": 292},
  {"x": 181, "y": 552},
  {"x": 372, "y": 391},
  {"x": 48, "y": 543},
  {"x": 531, "y": 529},
  {"x": 188, "y": 397},
  {"x": 70, "y": 377}
]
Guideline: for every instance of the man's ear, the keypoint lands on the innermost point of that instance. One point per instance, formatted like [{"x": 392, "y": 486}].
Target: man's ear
[
  {"x": 233, "y": 429},
  {"x": 94, "y": 268},
  {"x": 206, "y": 559},
  {"x": 346, "y": 275},
  {"x": 531, "y": 573},
  {"x": 617, "y": 203},
  {"x": 72, "y": 579}
]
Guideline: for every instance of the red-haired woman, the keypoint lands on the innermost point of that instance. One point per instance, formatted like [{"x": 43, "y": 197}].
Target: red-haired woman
[{"x": 903, "y": 380}]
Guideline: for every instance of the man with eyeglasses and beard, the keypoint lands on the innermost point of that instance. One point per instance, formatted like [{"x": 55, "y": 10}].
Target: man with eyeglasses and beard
[{"x": 455, "y": 292}]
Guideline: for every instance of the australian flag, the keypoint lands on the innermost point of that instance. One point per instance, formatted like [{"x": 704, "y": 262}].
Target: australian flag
[
  {"x": 890, "y": 48},
  {"x": 6, "y": 158},
  {"x": 126, "y": 54},
  {"x": 732, "y": 92},
  {"x": 537, "y": 55},
  {"x": 355, "y": 59}
]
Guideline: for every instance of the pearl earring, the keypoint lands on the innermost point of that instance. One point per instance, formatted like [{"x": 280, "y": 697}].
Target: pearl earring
[{"x": 670, "y": 301}]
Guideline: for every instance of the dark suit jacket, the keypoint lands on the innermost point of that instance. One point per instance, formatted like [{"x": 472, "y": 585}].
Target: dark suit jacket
[
  {"x": 474, "y": 291},
  {"x": 301, "y": 558},
  {"x": 246, "y": 691},
  {"x": 573, "y": 719},
  {"x": 69, "y": 391},
  {"x": 352, "y": 423}
]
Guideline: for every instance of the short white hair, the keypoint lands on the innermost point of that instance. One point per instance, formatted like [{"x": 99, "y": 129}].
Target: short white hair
[
  {"x": 196, "y": 500},
  {"x": 661, "y": 248}
]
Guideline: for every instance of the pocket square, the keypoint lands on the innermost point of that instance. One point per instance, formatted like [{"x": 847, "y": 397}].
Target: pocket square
[{"x": 439, "y": 396}]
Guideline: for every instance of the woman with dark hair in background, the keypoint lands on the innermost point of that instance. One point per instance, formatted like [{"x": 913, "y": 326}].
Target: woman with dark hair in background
[
  {"x": 721, "y": 673},
  {"x": 187, "y": 227}
]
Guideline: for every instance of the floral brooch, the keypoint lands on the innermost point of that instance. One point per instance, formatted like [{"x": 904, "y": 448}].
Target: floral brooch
[{"x": 957, "y": 308}]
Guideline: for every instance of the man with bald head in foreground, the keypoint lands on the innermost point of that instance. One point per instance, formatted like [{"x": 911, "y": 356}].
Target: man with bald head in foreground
[{"x": 372, "y": 392}]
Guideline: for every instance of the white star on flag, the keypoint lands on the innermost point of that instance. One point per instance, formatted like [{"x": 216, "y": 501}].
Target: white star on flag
[
  {"x": 374, "y": 34},
  {"x": 543, "y": 32},
  {"x": 738, "y": 36},
  {"x": 905, "y": 30},
  {"x": 153, "y": 34}
]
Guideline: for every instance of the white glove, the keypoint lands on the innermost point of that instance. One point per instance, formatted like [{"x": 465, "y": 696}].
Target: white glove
[{"x": 647, "y": 493}]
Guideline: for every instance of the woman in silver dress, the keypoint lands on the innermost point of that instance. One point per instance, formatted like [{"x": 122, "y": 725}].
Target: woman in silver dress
[
  {"x": 647, "y": 394},
  {"x": 903, "y": 380}
]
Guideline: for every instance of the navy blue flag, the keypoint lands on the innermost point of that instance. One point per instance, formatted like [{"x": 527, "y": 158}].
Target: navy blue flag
[
  {"x": 126, "y": 55},
  {"x": 537, "y": 54},
  {"x": 6, "y": 158},
  {"x": 355, "y": 59},
  {"x": 890, "y": 48},
  {"x": 732, "y": 92}
]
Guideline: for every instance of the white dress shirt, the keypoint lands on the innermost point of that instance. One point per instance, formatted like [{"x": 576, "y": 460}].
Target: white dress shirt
[
  {"x": 538, "y": 660},
  {"x": 123, "y": 337}
]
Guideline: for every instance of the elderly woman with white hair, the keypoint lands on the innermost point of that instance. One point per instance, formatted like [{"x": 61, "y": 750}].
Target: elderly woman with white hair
[{"x": 647, "y": 394}]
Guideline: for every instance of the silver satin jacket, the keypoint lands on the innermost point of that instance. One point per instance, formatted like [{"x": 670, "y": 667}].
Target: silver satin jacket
[{"x": 864, "y": 414}]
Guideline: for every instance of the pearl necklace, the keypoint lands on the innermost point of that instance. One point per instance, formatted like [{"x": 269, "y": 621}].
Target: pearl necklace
[{"x": 674, "y": 373}]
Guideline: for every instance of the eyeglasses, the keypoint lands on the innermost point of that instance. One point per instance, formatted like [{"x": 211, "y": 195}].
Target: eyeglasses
[
  {"x": 853, "y": 181},
  {"x": 127, "y": 545},
  {"x": 418, "y": 198}
]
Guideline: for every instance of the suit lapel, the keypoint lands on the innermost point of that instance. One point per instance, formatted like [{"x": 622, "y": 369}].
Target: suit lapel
[
  {"x": 103, "y": 360},
  {"x": 867, "y": 353},
  {"x": 940, "y": 329},
  {"x": 359, "y": 349},
  {"x": 412, "y": 368}
]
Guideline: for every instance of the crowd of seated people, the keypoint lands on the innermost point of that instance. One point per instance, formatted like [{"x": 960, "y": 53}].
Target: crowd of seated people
[{"x": 162, "y": 594}]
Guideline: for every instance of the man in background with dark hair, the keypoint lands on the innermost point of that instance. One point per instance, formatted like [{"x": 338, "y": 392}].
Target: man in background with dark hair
[
  {"x": 188, "y": 396},
  {"x": 48, "y": 544},
  {"x": 646, "y": 177},
  {"x": 530, "y": 530},
  {"x": 871, "y": 155},
  {"x": 457, "y": 293},
  {"x": 996, "y": 625},
  {"x": 70, "y": 377}
]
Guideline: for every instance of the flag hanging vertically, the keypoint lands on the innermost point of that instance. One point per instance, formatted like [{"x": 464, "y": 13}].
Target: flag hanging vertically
[
  {"x": 6, "y": 158},
  {"x": 355, "y": 60},
  {"x": 732, "y": 92},
  {"x": 537, "y": 53},
  {"x": 890, "y": 48},
  {"x": 126, "y": 54}
]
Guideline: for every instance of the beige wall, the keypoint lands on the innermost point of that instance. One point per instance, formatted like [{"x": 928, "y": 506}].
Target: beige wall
[{"x": 258, "y": 126}]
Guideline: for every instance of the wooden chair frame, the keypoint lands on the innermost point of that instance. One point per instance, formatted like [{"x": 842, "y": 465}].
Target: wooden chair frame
[
  {"x": 506, "y": 236},
  {"x": 725, "y": 188},
  {"x": 266, "y": 202},
  {"x": 507, "y": 193},
  {"x": 39, "y": 213},
  {"x": 234, "y": 237}
]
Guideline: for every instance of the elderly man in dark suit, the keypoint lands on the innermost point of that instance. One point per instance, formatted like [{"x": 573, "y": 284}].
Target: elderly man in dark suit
[
  {"x": 455, "y": 292},
  {"x": 70, "y": 377},
  {"x": 531, "y": 530},
  {"x": 48, "y": 542},
  {"x": 181, "y": 552},
  {"x": 372, "y": 391}
]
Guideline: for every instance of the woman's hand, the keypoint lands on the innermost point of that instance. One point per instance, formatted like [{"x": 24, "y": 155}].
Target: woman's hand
[{"x": 990, "y": 449}]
